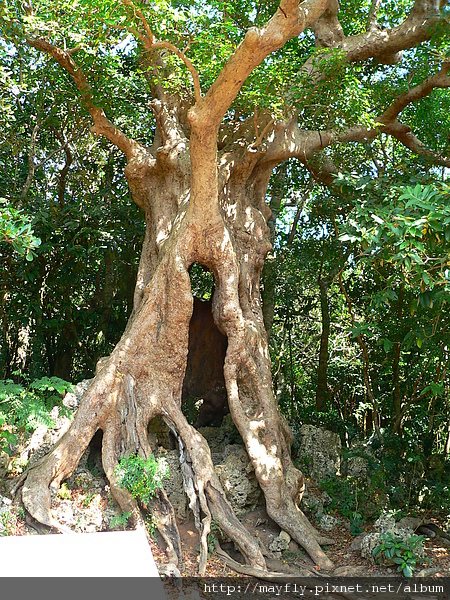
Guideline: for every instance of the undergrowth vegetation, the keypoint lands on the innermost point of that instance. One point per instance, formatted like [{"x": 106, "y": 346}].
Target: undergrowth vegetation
[
  {"x": 25, "y": 406},
  {"x": 142, "y": 477}
]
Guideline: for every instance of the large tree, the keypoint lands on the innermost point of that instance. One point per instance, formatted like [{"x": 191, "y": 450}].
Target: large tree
[{"x": 270, "y": 83}]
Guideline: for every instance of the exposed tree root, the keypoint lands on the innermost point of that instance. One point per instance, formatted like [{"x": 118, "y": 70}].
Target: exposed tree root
[
  {"x": 123, "y": 432},
  {"x": 205, "y": 491},
  {"x": 259, "y": 573},
  {"x": 163, "y": 514}
]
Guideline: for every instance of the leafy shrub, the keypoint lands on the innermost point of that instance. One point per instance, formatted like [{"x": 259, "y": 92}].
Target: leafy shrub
[
  {"x": 16, "y": 229},
  {"x": 64, "y": 492},
  {"x": 151, "y": 523},
  {"x": 8, "y": 523},
  {"x": 142, "y": 477},
  {"x": 345, "y": 498},
  {"x": 404, "y": 553},
  {"x": 435, "y": 496},
  {"x": 6, "y": 437},
  {"x": 120, "y": 521},
  {"x": 23, "y": 408}
]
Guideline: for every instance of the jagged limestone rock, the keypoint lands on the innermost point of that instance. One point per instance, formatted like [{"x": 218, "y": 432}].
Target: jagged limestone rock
[
  {"x": 174, "y": 485},
  {"x": 357, "y": 467},
  {"x": 328, "y": 522},
  {"x": 235, "y": 472},
  {"x": 44, "y": 438},
  {"x": 231, "y": 463},
  {"x": 72, "y": 399},
  {"x": 281, "y": 542},
  {"x": 237, "y": 478},
  {"x": 320, "y": 449},
  {"x": 385, "y": 522}
]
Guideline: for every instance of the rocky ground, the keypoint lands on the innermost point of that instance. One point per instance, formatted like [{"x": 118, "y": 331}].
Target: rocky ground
[{"x": 84, "y": 504}]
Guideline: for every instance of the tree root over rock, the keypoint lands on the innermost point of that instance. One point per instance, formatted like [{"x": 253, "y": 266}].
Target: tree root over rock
[
  {"x": 259, "y": 573},
  {"x": 124, "y": 432}
]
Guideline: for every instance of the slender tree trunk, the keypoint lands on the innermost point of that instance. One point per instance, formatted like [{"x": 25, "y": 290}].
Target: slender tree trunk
[
  {"x": 321, "y": 390},
  {"x": 447, "y": 443},
  {"x": 397, "y": 395}
]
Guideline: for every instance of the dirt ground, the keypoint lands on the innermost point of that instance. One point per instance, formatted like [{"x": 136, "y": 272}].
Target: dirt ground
[
  {"x": 84, "y": 504},
  {"x": 295, "y": 558}
]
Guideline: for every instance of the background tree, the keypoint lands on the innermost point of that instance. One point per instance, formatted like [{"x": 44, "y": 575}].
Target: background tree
[{"x": 269, "y": 83}]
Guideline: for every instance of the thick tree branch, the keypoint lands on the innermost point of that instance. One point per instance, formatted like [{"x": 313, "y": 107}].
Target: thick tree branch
[
  {"x": 385, "y": 45},
  {"x": 410, "y": 141},
  {"x": 289, "y": 21},
  {"x": 102, "y": 125},
  {"x": 441, "y": 79},
  {"x": 327, "y": 29},
  {"x": 289, "y": 141}
]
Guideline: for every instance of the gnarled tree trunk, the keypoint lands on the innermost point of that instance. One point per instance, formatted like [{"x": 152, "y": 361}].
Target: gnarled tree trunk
[{"x": 195, "y": 212}]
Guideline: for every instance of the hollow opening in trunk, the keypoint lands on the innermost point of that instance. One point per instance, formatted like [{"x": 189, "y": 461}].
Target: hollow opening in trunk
[
  {"x": 204, "y": 399},
  {"x": 94, "y": 462}
]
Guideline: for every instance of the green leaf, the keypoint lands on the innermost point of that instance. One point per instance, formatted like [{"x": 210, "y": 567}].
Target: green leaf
[
  {"x": 387, "y": 345},
  {"x": 437, "y": 388},
  {"x": 407, "y": 571}
]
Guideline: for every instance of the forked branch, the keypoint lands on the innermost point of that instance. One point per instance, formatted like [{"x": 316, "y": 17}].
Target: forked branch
[
  {"x": 150, "y": 43},
  {"x": 290, "y": 141},
  {"x": 289, "y": 21},
  {"x": 385, "y": 45},
  {"x": 182, "y": 55}
]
